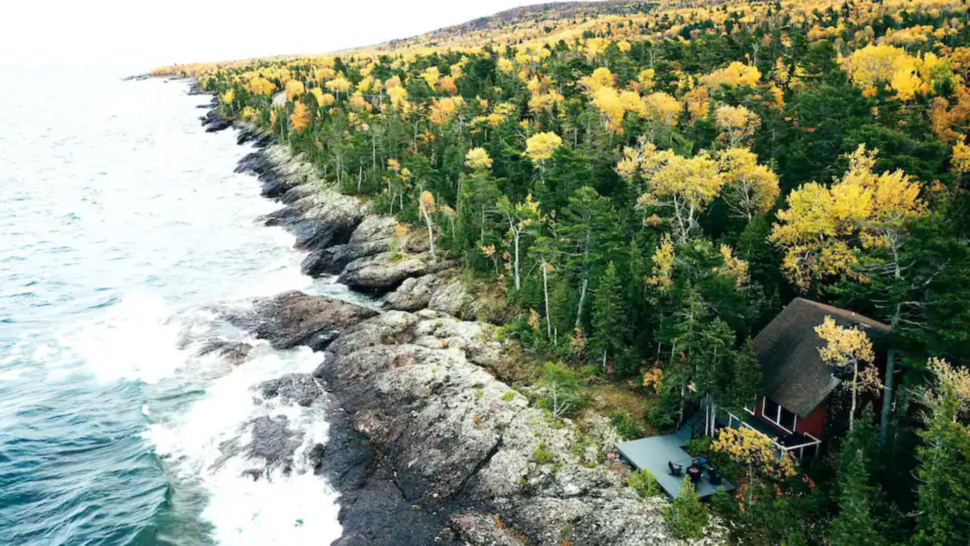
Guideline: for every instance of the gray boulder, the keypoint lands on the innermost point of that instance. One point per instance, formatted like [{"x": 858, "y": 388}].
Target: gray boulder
[
  {"x": 296, "y": 193},
  {"x": 293, "y": 388},
  {"x": 454, "y": 299},
  {"x": 333, "y": 260},
  {"x": 373, "y": 228},
  {"x": 379, "y": 273},
  {"x": 273, "y": 441},
  {"x": 413, "y": 294}
]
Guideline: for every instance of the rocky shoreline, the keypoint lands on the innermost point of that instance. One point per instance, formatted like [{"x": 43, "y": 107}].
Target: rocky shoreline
[{"x": 425, "y": 446}]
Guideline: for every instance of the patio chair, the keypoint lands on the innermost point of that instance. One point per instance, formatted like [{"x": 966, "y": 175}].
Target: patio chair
[
  {"x": 675, "y": 469},
  {"x": 714, "y": 476}
]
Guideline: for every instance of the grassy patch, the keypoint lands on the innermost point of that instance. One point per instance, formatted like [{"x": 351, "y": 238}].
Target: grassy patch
[{"x": 607, "y": 398}]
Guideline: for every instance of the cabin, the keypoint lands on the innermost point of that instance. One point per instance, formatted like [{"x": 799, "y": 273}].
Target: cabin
[
  {"x": 793, "y": 404},
  {"x": 796, "y": 406}
]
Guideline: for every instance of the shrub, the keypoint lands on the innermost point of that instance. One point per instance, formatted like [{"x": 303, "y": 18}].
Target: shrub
[
  {"x": 698, "y": 446},
  {"x": 686, "y": 517},
  {"x": 564, "y": 395},
  {"x": 626, "y": 425},
  {"x": 541, "y": 456},
  {"x": 644, "y": 483}
]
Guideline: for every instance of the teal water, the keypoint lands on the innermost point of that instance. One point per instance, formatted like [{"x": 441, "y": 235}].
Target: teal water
[{"x": 123, "y": 226}]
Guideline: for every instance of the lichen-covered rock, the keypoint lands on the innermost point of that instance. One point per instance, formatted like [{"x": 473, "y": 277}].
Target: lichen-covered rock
[
  {"x": 483, "y": 530},
  {"x": 333, "y": 260},
  {"x": 372, "y": 228},
  {"x": 449, "y": 432},
  {"x": 413, "y": 294},
  {"x": 452, "y": 298},
  {"x": 297, "y": 193},
  {"x": 379, "y": 273}
]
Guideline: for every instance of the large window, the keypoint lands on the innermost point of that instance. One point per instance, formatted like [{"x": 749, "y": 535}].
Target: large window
[{"x": 778, "y": 415}]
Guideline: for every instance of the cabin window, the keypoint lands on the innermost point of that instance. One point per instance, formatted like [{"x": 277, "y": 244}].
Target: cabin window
[
  {"x": 786, "y": 419},
  {"x": 771, "y": 409},
  {"x": 778, "y": 415}
]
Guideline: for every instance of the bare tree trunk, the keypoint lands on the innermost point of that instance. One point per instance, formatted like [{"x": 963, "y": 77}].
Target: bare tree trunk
[
  {"x": 855, "y": 384},
  {"x": 582, "y": 300},
  {"x": 545, "y": 290}
]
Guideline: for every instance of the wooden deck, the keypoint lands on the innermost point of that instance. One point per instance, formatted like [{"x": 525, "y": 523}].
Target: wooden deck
[{"x": 654, "y": 452}]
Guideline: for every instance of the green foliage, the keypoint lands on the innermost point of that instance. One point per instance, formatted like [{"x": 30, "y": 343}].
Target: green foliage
[
  {"x": 564, "y": 395},
  {"x": 644, "y": 483},
  {"x": 626, "y": 426},
  {"x": 542, "y": 456},
  {"x": 686, "y": 517},
  {"x": 508, "y": 396},
  {"x": 609, "y": 317},
  {"x": 944, "y": 474},
  {"x": 698, "y": 446}
]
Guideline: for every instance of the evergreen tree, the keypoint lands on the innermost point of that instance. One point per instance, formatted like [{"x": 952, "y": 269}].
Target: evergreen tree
[
  {"x": 686, "y": 517},
  {"x": 943, "y": 508},
  {"x": 608, "y": 317},
  {"x": 854, "y": 525}
]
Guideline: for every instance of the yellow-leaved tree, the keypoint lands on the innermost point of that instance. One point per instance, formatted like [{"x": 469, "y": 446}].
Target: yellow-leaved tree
[
  {"x": 294, "y": 88},
  {"x": 849, "y": 350},
  {"x": 749, "y": 188},
  {"x": 823, "y": 230},
  {"x": 684, "y": 187},
  {"x": 300, "y": 118},
  {"x": 477, "y": 159},
  {"x": 737, "y": 124},
  {"x": 607, "y": 101},
  {"x": 540, "y": 147},
  {"x": 756, "y": 454}
]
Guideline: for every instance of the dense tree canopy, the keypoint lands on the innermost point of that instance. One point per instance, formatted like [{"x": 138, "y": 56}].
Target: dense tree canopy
[{"x": 647, "y": 185}]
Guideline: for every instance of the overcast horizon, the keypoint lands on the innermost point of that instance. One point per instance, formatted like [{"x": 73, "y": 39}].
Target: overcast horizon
[{"x": 112, "y": 32}]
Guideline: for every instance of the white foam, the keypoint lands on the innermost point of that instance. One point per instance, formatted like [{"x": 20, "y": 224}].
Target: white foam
[
  {"x": 132, "y": 340},
  {"x": 275, "y": 510}
]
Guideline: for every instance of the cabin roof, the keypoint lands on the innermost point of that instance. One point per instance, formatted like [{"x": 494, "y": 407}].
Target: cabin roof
[{"x": 793, "y": 374}]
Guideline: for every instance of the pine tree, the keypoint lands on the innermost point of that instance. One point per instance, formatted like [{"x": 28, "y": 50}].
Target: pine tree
[
  {"x": 686, "y": 517},
  {"x": 944, "y": 495},
  {"x": 855, "y": 524},
  {"x": 609, "y": 317}
]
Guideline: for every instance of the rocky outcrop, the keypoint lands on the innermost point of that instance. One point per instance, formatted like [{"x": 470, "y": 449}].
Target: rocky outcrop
[
  {"x": 372, "y": 236},
  {"x": 235, "y": 352},
  {"x": 381, "y": 273},
  {"x": 443, "y": 448},
  {"x": 214, "y": 121},
  {"x": 294, "y": 388},
  {"x": 274, "y": 442},
  {"x": 413, "y": 294},
  {"x": 333, "y": 260},
  {"x": 294, "y": 318},
  {"x": 425, "y": 446},
  {"x": 453, "y": 298}
]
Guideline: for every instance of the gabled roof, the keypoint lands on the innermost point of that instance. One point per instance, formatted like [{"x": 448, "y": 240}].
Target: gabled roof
[{"x": 793, "y": 374}]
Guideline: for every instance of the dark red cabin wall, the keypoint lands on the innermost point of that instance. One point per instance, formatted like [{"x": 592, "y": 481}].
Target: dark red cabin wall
[{"x": 814, "y": 424}]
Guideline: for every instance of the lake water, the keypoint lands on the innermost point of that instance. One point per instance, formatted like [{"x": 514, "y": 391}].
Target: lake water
[{"x": 122, "y": 225}]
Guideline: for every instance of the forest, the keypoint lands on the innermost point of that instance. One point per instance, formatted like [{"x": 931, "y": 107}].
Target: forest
[{"x": 642, "y": 187}]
